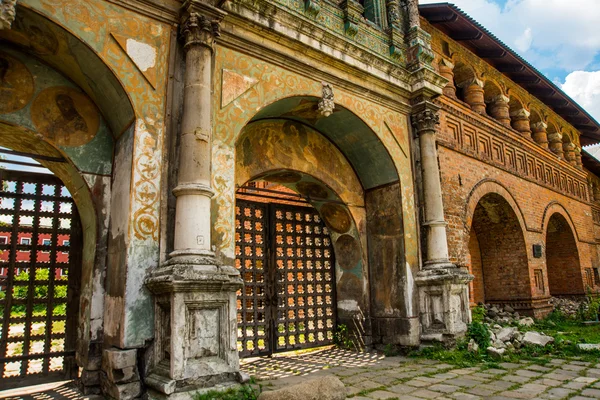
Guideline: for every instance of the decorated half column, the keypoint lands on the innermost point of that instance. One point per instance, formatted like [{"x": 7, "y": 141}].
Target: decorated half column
[
  {"x": 195, "y": 297},
  {"x": 443, "y": 290},
  {"x": 443, "y": 287}
]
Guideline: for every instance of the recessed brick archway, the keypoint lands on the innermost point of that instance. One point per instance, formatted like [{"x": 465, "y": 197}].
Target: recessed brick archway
[
  {"x": 498, "y": 252},
  {"x": 562, "y": 257}
]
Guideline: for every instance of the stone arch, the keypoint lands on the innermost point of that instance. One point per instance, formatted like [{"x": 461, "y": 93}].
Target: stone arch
[
  {"x": 272, "y": 151},
  {"x": 495, "y": 226},
  {"x": 562, "y": 255},
  {"x": 290, "y": 135},
  {"x": 73, "y": 110}
]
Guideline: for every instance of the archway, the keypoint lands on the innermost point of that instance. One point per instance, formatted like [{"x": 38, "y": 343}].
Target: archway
[
  {"x": 55, "y": 93},
  {"x": 498, "y": 253},
  {"x": 562, "y": 258},
  {"x": 341, "y": 168},
  {"x": 40, "y": 275}
]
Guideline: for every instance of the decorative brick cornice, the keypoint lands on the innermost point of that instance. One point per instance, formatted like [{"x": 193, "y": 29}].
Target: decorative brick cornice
[
  {"x": 7, "y": 13},
  {"x": 486, "y": 140}
]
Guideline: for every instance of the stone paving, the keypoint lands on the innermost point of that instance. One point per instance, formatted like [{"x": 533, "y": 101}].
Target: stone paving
[{"x": 377, "y": 377}]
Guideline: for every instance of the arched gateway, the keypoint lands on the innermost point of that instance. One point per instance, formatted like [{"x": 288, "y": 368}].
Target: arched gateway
[{"x": 311, "y": 266}]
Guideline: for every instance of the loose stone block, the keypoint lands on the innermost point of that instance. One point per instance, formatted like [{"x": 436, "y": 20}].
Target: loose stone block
[{"x": 322, "y": 388}]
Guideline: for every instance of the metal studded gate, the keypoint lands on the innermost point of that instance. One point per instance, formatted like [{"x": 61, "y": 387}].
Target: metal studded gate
[
  {"x": 285, "y": 256},
  {"x": 40, "y": 258}
]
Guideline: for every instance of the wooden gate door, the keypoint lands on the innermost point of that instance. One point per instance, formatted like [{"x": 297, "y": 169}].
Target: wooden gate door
[
  {"x": 40, "y": 264},
  {"x": 285, "y": 256}
]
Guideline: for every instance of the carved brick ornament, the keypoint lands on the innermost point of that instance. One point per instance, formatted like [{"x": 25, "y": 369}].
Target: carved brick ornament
[
  {"x": 7, "y": 13},
  {"x": 425, "y": 121}
]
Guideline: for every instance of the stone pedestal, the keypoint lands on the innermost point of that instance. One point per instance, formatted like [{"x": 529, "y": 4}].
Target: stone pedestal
[
  {"x": 444, "y": 303},
  {"x": 196, "y": 321}
]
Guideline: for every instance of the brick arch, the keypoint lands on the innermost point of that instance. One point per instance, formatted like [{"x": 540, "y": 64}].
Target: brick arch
[
  {"x": 483, "y": 188},
  {"x": 495, "y": 227},
  {"x": 562, "y": 255},
  {"x": 555, "y": 207}
]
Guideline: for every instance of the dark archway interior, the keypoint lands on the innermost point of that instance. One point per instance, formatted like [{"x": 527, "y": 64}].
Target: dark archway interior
[
  {"x": 562, "y": 258},
  {"x": 503, "y": 254}
]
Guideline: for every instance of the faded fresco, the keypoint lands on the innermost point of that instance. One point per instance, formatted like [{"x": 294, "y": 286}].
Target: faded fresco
[
  {"x": 119, "y": 60},
  {"x": 301, "y": 159},
  {"x": 45, "y": 102},
  {"x": 258, "y": 84}
]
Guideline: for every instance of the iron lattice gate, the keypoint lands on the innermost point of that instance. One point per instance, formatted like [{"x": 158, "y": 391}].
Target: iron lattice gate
[
  {"x": 40, "y": 256},
  {"x": 285, "y": 256}
]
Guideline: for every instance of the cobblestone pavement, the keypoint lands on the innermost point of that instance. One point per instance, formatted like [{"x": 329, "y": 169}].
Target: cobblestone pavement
[{"x": 377, "y": 377}]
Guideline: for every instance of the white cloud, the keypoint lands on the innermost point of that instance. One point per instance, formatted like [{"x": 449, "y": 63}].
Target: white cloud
[
  {"x": 523, "y": 42},
  {"x": 584, "y": 87},
  {"x": 563, "y": 33}
]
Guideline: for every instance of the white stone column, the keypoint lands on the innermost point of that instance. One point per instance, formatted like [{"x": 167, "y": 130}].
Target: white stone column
[
  {"x": 443, "y": 287},
  {"x": 195, "y": 297},
  {"x": 425, "y": 123},
  {"x": 193, "y": 191}
]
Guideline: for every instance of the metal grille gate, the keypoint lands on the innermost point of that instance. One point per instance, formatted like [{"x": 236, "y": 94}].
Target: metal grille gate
[
  {"x": 285, "y": 256},
  {"x": 40, "y": 258}
]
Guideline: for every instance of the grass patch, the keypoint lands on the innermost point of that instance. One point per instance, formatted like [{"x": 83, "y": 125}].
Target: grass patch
[
  {"x": 567, "y": 334},
  {"x": 244, "y": 392}
]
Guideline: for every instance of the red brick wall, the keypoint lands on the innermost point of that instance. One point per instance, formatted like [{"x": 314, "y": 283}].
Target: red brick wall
[
  {"x": 562, "y": 260},
  {"x": 468, "y": 177},
  {"x": 476, "y": 290}
]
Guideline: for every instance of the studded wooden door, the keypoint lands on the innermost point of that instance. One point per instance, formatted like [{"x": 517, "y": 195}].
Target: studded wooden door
[
  {"x": 285, "y": 256},
  {"x": 40, "y": 257}
]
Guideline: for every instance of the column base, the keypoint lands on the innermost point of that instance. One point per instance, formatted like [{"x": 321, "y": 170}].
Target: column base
[
  {"x": 195, "y": 343},
  {"x": 443, "y": 302}
]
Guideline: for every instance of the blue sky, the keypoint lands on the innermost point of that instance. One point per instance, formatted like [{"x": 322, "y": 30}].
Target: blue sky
[{"x": 561, "y": 38}]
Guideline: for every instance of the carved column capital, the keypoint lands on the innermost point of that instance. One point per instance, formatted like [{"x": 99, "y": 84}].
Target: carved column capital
[
  {"x": 7, "y": 13},
  {"x": 200, "y": 25},
  {"x": 426, "y": 118}
]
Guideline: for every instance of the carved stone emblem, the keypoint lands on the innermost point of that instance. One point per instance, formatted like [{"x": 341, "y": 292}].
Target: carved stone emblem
[
  {"x": 326, "y": 104},
  {"x": 7, "y": 13}
]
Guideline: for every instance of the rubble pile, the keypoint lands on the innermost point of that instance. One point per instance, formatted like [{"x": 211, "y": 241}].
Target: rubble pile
[
  {"x": 506, "y": 315},
  {"x": 569, "y": 307},
  {"x": 509, "y": 338},
  {"x": 501, "y": 315}
]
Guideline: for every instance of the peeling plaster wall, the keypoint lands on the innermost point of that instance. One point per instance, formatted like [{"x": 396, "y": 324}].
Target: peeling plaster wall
[
  {"x": 118, "y": 240},
  {"x": 95, "y": 38}
]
